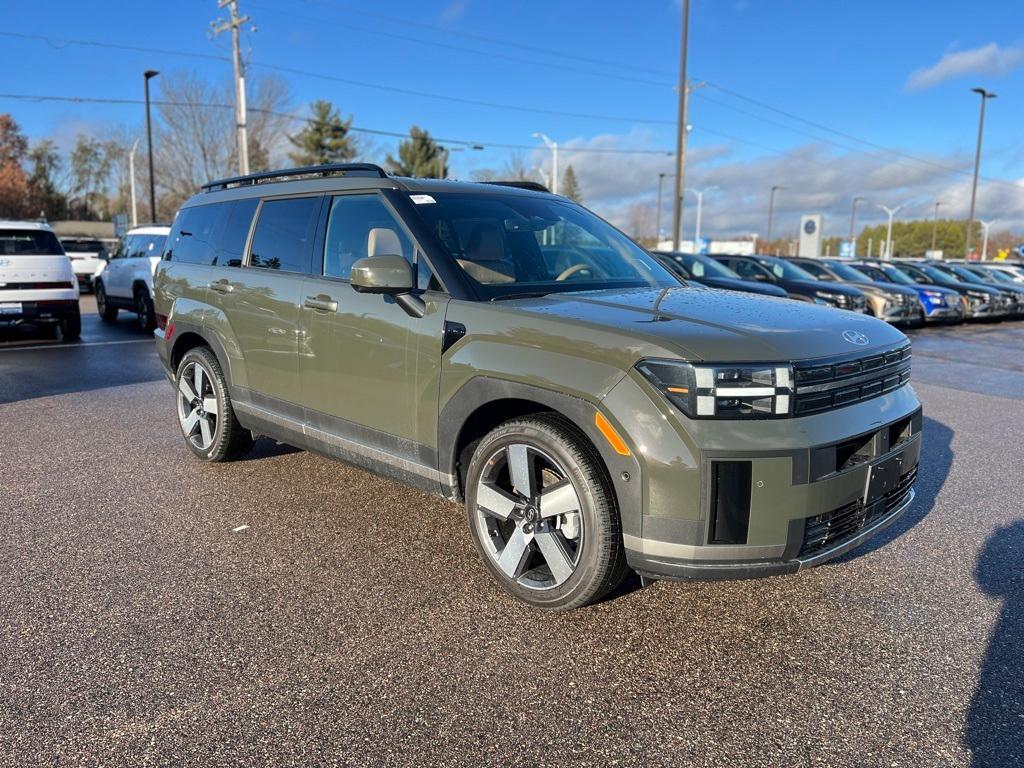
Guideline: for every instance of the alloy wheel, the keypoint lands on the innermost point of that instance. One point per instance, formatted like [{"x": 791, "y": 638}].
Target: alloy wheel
[
  {"x": 529, "y": 516},
  {"x": 197, "y": 406}
]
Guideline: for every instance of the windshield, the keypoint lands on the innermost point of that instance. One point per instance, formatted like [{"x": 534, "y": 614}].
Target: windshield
[
  {"x": 784, "y": 270},
  {"x": 29, "y": 242},
  {"x": 847, "y": 272},
  {"x": 938, "y": 275},
  {"x": 965, "y": 274},
  {"x": 702, "y": 266},
  {"x": 511, "y": 244},
  {"x": 995, "y": 275},
  {"x": 896, "y": 275}
]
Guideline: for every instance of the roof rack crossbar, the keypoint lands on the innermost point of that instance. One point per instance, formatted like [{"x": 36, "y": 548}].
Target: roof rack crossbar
[
  {"x": 330, "y": 169},
  {"x": 536, "y": 186}
]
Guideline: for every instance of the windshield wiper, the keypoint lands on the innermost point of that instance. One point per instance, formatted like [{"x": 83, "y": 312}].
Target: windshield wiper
[{"x": 527, "y": 295}]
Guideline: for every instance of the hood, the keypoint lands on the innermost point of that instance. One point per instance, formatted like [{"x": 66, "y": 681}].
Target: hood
[
  {"x": 875, "y": 287},
  {"x": 719, "y": 326},
  {"x": 736, "y": 284}
]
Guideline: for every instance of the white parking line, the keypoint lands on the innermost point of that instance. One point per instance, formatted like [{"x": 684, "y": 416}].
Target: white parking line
[{"x": 76, "y": 346}]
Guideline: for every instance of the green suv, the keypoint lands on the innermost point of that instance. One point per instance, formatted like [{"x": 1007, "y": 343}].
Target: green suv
[{"x": 507, "y": 349}]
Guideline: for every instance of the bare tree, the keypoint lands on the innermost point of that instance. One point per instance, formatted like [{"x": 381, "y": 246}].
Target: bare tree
[
  {"x": 641, "y": 222},
  {"x": 194, "y": 136}
]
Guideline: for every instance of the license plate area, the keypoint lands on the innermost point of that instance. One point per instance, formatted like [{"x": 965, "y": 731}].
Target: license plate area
[
  {"x": 883, "y": 477},
  {"x": 10, "y": 307}
]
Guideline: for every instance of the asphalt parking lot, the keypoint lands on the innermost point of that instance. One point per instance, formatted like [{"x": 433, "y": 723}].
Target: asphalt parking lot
[{"x": 289, "y": 610}]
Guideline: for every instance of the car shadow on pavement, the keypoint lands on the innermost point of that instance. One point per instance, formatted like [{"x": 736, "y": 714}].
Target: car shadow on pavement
[
  {"x": 936, "y": 462},
  {"x": 994, "y": 731},
  {"x": 266, "y": 448}
]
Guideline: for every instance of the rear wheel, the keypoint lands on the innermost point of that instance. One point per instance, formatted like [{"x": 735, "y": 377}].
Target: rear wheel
[
  {"x": 542, "y": 514},
  {"x": 144, "y": 310},
  {"x": 71, "y": 327},
  {"x": 204, "y": 409},
  {"x": 107, "y": 313}
]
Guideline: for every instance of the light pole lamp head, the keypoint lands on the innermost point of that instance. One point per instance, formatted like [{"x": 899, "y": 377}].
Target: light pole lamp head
[
  {"x": 150, "y": 74},
  {"x": 983, "y": 93}
]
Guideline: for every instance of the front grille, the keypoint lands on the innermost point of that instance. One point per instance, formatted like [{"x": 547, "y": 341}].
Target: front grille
[
  {"x": 832, "y": 529},
  {"x": 854, "y": 303},
  {"x": 825, "y": 385}
]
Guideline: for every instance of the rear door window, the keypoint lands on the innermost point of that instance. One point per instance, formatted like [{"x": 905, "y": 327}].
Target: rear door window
[
  {"x": 284, "y": 234},
  {"x": 237, "y": 221},
  {"x": 193, "y": 236}
]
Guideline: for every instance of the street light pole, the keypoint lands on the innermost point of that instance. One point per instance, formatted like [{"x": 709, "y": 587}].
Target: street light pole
[
  {"x": 985, "y": 96},
  {"x": 853, "y": 219},
  {"x": 771, "y": 212},
  {"x": 553, "y": 146},
  {"x": 148, "y": 75},
  {"x": 935, "y": 224},
  {"x": 888, "y": 234},
  {"x": 984, "y": 243},
  {"x": 131, "y": 183},
  {"x": 681, "y": 120},
  {"x": 700, "y": 204}
]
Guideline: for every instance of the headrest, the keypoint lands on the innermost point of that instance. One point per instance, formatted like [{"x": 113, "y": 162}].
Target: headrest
[
  {"x": 486, "y": 243},
  {"x": 383, "y": 241}
]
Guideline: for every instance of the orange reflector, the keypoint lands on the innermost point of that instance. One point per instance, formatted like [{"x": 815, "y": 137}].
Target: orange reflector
[
  {"x": 679, "y": 390},
  {"x": 616, "y": 442}
]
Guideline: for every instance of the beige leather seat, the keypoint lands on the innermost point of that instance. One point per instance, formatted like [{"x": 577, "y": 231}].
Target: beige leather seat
[{"x": 485, "y": 259}]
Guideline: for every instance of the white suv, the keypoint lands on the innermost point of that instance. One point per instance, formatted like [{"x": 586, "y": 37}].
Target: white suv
[
  {"x": 37, "y": 284},
  {"x": 87, "y": 256},
  {"x": 126, "y": 280}
]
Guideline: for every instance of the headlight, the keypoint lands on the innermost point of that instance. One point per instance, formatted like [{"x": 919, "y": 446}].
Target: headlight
[
  {"x": 723, "y": 391},
  {"x": 977, "y": 295},
  {"x": 933, "y": 294},
  {"x": 828, "y": 297}
]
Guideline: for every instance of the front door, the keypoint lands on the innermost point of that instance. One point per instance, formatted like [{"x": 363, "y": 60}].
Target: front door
[{"x": 370, "y": 371}]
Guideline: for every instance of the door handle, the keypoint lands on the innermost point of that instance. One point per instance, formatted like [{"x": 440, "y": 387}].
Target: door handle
[
  {"x": 221, "y": 286},
  {"x": 321, "y": 303}
]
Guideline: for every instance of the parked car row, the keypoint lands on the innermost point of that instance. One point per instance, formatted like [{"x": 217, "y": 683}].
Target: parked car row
[{"x": 900, "y": 291}]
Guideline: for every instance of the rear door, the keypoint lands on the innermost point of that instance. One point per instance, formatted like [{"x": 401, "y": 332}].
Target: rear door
[
  {"x": 370, "y": 371},
  {"x": 261, "y": 297},
  {"x": 115, "y": 276}
]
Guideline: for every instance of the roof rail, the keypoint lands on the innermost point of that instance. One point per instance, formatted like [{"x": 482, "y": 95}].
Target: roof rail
[
  {"x": 331, "y": 169},
  {"x": 536, "y": 186}
]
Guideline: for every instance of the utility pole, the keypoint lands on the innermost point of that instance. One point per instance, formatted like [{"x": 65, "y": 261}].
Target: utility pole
[
  {"x": 985, "y": 96},
  {"x": 771, "y": 211},
  {"x": 148, "y": 75},
  {"x": 935, "y": 224},
  {"x": 681, "y": 123},
  {"x": 131, "y": 183},
  {"x": 234, "y": 23},
  {"x": 853, "y": 219},
  {"x": 661, "y": 181}
]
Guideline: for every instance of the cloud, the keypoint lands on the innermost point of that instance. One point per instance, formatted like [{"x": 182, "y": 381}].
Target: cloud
[
  {"x": 987, "y": 60},
  {"x": 454, "y": 11}
]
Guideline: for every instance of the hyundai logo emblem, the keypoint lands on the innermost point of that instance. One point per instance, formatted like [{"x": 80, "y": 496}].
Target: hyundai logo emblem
[{"x": 855, "y": 337}]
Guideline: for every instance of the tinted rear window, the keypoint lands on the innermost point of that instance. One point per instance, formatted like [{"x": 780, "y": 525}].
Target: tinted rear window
[
  {"x": 231, "y": 240},
  {"x": 284, "y": 234},
  {"x": 82, "y": 246},
  {"x": 29, "y": 242},
  {"x": 192, "y": 237}
]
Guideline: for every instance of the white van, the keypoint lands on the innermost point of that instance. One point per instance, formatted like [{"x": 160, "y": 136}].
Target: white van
[
  {"x": 37, "y": 284},
  {"x": 126, "y": 280}
]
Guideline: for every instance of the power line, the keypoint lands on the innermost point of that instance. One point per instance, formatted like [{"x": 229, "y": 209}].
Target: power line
[
  {"x": 359, "y": 129},
  {"x": 461, "y": 48}
]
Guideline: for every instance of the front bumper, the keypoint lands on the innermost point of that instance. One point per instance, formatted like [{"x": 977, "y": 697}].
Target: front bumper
[
  {"x": 806, "y": 483},
  {"x": 944, "y": 314}
]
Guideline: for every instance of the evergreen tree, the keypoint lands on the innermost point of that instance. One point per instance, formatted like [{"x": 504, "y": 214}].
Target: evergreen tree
[
  {"x": 419, "y": 156},
  {"x": 325, "y": 139},
  {"x": 570, "y": 186}
]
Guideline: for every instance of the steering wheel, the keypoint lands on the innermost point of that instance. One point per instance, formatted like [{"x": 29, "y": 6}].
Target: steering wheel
[{"x": 574, "y": 270}]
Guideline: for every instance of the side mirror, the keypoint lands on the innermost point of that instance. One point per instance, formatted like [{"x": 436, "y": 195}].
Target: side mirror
[{"x": 383, "y": 274}]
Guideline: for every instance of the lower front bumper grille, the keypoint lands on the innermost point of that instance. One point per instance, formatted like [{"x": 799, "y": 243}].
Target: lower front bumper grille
[{"x": 831, "y": 529}]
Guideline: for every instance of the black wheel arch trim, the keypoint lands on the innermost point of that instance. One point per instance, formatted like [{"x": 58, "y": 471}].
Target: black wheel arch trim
[
  {"x": 624, "y": 472},
  {"x": 183, "y": 328}
]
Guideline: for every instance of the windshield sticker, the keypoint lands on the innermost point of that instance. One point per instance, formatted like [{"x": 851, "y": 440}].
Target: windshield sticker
[{"x": 421, "y": 199}]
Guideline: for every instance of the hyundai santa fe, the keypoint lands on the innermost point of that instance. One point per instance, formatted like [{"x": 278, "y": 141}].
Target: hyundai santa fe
[{"x": 509, "y": 350}]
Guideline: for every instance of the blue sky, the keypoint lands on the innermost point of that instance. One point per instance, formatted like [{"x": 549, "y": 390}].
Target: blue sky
[{"x": 895, "y": 76}]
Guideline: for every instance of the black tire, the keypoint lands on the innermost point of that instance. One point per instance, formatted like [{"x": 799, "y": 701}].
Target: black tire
[
  {"x": 601, "y": 563},
  {"x": 230, "y": 440},
  {"x": 144, "y": 310},
  {"x": 108, "y": 314},
  {"x": 71, "y": 327}
]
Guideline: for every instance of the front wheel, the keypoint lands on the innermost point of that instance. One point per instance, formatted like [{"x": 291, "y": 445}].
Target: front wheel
[
  {"x": 144, "y": 310},
  {"x": 542, "y": 513},
  {"x": 205, "y": 413}
]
